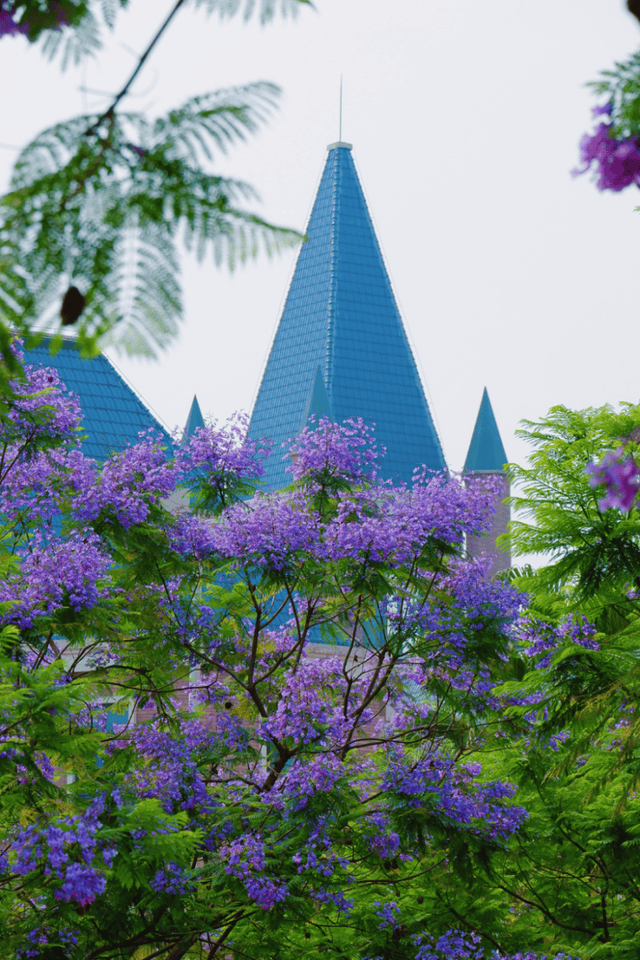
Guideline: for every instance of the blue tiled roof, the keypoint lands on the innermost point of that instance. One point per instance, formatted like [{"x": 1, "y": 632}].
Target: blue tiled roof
[
  {"x": 194, "y": 420},
  {"x": 486, "y": 452},
  {"x": 113, "y": 414},
  {"x": 341, "y": 317}
]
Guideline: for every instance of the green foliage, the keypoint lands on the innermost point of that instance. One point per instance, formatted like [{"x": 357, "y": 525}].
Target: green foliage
[
  {"x": 82, "y": 38},
  {"x": 622, "y": 87},
  {"x": 101, "y": 204},
  {"x": 589, "y": 552},
  {"x": 571, "y": 737}
]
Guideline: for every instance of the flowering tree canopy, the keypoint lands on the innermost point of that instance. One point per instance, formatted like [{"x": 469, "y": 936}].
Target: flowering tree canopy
[{"x": 259, "y": 725}]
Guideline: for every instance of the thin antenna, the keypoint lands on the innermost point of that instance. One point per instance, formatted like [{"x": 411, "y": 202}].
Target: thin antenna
[{"x": 340, "y": 133}]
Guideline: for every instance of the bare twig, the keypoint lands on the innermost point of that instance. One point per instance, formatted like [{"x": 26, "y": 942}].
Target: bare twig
[{"x": 108, "y": 114}]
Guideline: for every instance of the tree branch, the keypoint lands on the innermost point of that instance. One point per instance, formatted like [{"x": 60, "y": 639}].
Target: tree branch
[{"x": 108, "y": 114}]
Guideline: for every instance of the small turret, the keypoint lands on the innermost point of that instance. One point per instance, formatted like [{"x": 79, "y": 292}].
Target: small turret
[
  {"x": 194, "y": 420},
  {"x": 487, "y": 457}
]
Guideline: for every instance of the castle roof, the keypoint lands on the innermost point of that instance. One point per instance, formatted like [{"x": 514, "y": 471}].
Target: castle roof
[
  {"x": 341, "y": 348},
  {"x": 113, "y": 415},
  {"x": 486, "y": 451}
]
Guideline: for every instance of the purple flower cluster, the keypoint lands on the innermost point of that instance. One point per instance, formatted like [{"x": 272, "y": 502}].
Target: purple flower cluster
[
  {"x": 10, "y": 27},
  {"x": 541, "y": 640},
  {"x": 127, "y": 485},
  {"x": 169, "y": 770},
  {"x": 389, "y": 913},
  {"x": 270, "y": 530},
  {"x": 221, "y": 464},
  {"x": 617, "y": 161},
  {"x": 621, "y": 476},
  {"x": 308, "y": 708},
  {"x": 377, "y": 524},
  {"x": 42, "y": 936},
  {"x": 55, "y": 573},
  {"x": 327, "y": 453},
  {"x": 459, "y": 945},
  {"x": 245, "y": 858},
  {"x": 57, "y": 412},
  {"x": 171, "y": 879},
  {"x": 453, "y": 795},
  {"x": 68, "y": 851}
]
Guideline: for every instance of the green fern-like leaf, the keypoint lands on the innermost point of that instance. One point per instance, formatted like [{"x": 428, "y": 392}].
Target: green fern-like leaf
[
  {"x": 622, "y": 88},
  {"x": 73, "y": 44},
  {"x": 222, "y": 117},
  {"x": 265, "y": 9},
  {"x": 99, "y": 204},
  {"x": 150, "y": 301}
]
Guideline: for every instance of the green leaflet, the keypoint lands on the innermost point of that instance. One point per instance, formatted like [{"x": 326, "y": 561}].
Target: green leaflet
[{"x": 100, "y": 204}]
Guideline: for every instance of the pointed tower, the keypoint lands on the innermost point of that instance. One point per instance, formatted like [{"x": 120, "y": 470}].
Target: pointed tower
[
  {"x": 486, "y": 457},
  {"x": 194, "y": 420},
  {"x": 341, "y": 348}
]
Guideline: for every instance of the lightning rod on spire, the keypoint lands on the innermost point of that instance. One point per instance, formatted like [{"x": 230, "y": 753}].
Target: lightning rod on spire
[{"x": 340, "y": 131}]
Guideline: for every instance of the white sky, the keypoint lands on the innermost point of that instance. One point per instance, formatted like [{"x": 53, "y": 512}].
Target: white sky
[{"x": 465, "y": 118}]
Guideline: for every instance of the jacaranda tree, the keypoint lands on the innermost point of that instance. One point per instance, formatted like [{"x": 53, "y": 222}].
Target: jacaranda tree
[{"x": 251, "y": 725}]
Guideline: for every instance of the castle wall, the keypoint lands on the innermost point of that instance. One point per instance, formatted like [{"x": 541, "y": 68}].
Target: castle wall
[{"x": 485, "y": 545}]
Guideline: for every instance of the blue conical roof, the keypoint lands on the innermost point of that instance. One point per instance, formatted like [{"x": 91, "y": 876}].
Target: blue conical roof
[
  {"x": 486, "y": 452},
  {"x": 113, "y": 416},
  {"x": 341, "y": 317},
  {"x": 194, "y": 420}
]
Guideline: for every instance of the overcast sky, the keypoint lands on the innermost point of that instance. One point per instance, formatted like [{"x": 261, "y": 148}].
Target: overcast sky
[{"x": 465, "y": 116}]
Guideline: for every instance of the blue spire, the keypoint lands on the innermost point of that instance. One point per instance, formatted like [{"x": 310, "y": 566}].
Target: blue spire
[
  {"x": 194, "y": 420},
  {"x": 486, "y": 452},
  {"x": 341, "y": 319}
]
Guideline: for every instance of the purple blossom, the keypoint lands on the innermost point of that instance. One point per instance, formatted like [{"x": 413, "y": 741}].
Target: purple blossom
[
  {"x": 451, "y": 793},
  {"x": 461, "y": 945},
  {"x": 171, "y": 879},
  {"x": 128, "y": 485},
  {"x": 245, "y": 858},
  {"x": 541, "y": 639},
  {"x": 69, "y": 852},
  {"x": 41, "y": 936},
  {"x": 170, "y": 768},
  {"x": 10, "y": 27},
  {"x": 55, "y": 573},
  {"x": 602, "y": 110},
  {"x": 328, "y": 453},
  {"x": 621, "y": 476},
  {"x": 389, "y": 913},
  {"x": 617, "y": 161},
  {"x": 221, "y": 463}
]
